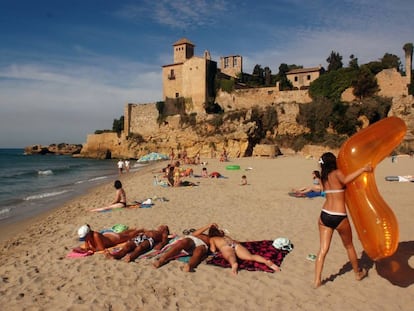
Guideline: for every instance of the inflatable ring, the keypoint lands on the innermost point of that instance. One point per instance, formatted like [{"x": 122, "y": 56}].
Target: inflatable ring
[
  {"x": 374, "y": 221},
  {"x": 233, "y": 167}
]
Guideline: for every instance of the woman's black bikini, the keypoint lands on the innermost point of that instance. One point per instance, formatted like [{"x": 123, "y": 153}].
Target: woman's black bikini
[{"x": 332, "y": 219}]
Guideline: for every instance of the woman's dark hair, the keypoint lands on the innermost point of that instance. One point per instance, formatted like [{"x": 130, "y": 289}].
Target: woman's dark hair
[
  {"x": 317, "y": 174},
  {"x": 117, "y": 184},
  {"x": 328, "y": 164},
  {"x": 214, "y": 231}
]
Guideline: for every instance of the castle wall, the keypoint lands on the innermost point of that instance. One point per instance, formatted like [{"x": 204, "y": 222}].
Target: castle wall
[
  {"x": 194, "y": 82},
  {"x": 141, "y": 119},
  {"x": 172, "y": 80},
  {"x": 247, "y": 98}
]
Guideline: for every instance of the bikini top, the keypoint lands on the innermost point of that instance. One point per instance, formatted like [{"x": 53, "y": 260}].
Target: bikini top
[{"x": 334, "y": 191}]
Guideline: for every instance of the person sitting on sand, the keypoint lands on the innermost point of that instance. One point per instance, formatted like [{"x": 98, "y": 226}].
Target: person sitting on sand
[
  {"x": 143, "y": 242},
  {"x": 196, "y": 244},
  {"x": 316, "y": 185},
  {"x": 120, "y": 199},
  {"x": 231, "y": 250},
  {"x": 204, "y": 172},
  {"x": 96, "y": 241},
  {"x": 243, "y": 180}
]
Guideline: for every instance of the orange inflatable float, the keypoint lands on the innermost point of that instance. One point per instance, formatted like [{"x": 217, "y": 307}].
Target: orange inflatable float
[{"x": 373, "y": 219}]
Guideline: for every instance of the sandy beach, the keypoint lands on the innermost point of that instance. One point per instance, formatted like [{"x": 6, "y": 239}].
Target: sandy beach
[{"x": 37, "y": 275}]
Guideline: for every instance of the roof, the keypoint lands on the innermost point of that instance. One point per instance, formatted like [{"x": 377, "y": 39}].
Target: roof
[
  {"x": 304, "y": 70},
  {"x": 183, "y": 41}
]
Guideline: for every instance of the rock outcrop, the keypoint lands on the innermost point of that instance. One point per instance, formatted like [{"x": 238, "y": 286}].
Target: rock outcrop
[{"x": 60, "y": 149}]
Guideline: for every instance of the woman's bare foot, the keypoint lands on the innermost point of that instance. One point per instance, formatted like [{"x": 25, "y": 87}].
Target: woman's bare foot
[
  {"x": 234, "y": 268},
  {"x": 271, "y": 265},
  {"x": 317, "y": 284},
  {"x": 361, "y": 274},
  {"x": 127, "y": 258}
]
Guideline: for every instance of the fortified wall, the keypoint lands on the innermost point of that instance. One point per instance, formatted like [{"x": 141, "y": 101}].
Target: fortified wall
[{"x": 247, "y": 98}]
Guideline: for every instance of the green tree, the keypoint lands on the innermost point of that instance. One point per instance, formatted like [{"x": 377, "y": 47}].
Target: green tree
[
  {"x": 353, "y": 62},
  {"x": 365, "y": 84},
  {"x": 391, "y": 61},
  {"x": 334, "y": 61},
  {"x": 118, "y": 125},
  {"x": 284, "y": 83}
]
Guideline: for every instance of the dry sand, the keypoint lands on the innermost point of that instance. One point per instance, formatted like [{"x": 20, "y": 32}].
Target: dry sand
[{"x": 36, "y": 275}]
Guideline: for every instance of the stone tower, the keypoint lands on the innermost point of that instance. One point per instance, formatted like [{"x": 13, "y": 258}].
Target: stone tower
[
  {"x": 408, "y": 48},
  {"x": 183, "y": 50}
]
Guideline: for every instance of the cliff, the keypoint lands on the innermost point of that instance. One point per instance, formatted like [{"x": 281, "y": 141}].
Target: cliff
[{"x": 241, "y": 132}]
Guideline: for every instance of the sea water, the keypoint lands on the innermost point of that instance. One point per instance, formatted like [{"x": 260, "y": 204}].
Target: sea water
[{"x": 32, "y": 184}]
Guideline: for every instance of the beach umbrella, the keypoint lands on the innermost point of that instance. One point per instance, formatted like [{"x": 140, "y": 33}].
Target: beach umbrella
[{"x": 153, "y": 156}]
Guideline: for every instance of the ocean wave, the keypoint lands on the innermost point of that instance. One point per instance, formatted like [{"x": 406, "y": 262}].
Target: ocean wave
[
  {"x": 45, "y": 172},
  {"x": 4, "y": 212},
  {"x": 91, "y": 179},
  {"x": 45, "y": 195}
]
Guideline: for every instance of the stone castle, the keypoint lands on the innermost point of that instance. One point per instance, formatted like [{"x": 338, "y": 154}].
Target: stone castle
[{"x": 191, "y": 78}]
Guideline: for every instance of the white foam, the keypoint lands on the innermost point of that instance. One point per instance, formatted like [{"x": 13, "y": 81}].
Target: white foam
[
  {"x": 45, "y": 195},
  {"x": 45, "y": 172}
]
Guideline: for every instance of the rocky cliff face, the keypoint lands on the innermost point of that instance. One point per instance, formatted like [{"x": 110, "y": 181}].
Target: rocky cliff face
[
  {"x": 60, "y": 149},
  {"x": 236, "y": 131}
]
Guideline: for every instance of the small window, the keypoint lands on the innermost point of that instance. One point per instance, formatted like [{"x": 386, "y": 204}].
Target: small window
[
  {"x": 296, "y": 79},
  {"x": 309, "y": 77},
  {"x": 226, "y": 62},
  {"x": 177, "y": 95},
  {"x": 235, "y": 61}
]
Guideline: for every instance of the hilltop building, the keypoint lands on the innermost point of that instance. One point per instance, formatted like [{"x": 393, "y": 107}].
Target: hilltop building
[
  {"x": 189, "y": 77},
  {"x": 302, "y": 78}
]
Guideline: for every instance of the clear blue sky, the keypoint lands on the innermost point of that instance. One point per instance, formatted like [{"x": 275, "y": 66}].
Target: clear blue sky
[{"x": 67, "y": 68}]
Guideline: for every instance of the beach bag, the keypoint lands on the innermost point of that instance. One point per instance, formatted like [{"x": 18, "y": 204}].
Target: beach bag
[{"x": 283, "y": 244}]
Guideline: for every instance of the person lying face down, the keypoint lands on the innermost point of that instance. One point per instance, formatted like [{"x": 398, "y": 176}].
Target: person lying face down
[
  {"x": 232, "y": 249},
  {"x": 96, "y": 241}
]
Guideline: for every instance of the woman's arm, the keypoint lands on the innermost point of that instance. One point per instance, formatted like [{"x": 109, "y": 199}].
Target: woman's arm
[
  {"x": 117, "y": 197},
  {"x": 202, "y": 229},
  {"x": 350, "y": 177}
]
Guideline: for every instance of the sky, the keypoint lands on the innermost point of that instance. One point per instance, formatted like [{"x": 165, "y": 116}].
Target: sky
[{"x": 69, "y": 67}]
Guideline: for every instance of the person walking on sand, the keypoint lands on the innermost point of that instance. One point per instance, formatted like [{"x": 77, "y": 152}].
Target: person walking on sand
[
  {"x": 120, "y": 199},
  {"x": 144, "y": 241},
  {"x": 334, "y": 216},
  {"x": 232, "y": 249},
  {"x": 196, "y": 244},
  {"x": 96, "y": 241},
  {"x": 120, "y": 165}
]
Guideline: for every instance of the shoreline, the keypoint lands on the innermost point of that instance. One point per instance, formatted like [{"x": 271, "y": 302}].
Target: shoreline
[{"x": 261, "y": 210}]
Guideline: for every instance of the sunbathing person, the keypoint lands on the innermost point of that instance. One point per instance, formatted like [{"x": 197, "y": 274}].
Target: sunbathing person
[
  {"x": 196, "y": 244},
  {"x": 143, "y": 242},
  {"x": 231, "y": 250},
  {"x": 120, "y": 199},
  {"x": 96, "y": 241},
  {"x": 316, "y": 185}
]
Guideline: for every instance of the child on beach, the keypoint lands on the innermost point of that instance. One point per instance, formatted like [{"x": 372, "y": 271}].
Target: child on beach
[
  {"x": 243, "y": 181},
  {"x": 204, "y": 172}
]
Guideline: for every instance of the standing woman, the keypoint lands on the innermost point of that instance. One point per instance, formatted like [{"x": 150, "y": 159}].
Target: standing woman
[{"x": 333, "y": 215}]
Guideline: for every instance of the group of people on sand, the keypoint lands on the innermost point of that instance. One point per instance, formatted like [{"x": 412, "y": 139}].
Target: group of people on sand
[
  {"x": 333, "y": 217},
  {"x": 197, "y": 244}
]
